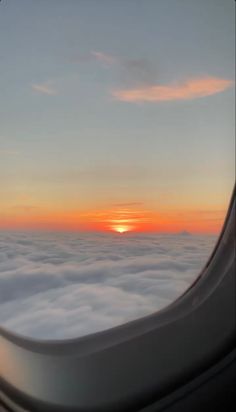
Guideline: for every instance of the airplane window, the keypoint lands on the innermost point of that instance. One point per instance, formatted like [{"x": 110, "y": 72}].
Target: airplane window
[{"x": 116, "y": 157}]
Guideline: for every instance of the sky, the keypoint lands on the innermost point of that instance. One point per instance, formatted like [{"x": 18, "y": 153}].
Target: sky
[{"x": 116, "y": 115}]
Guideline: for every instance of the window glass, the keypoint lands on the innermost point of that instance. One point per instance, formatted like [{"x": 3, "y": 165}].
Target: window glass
[{"x": 116, "y": 157}]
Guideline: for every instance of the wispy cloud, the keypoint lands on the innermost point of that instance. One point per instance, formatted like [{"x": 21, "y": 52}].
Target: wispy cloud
[
  {"x": 189, "y": 89},
  {"x": 127, "y": 217},
  {"x": 138, "y": 72},
  {"x": 44, "y": 88},
  {"x": 106, "y": 59},
  {"x": 128, "y": 204},
  {"x": 131, "y": 71}
]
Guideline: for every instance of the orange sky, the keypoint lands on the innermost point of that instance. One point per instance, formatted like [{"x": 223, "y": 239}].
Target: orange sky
[
  {"x": 118, "y": 218},
  {"x": 102, "y": 135}
]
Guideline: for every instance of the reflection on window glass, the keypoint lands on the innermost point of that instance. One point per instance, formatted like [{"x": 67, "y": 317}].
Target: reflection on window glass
[{"x": 116, "y": 157}]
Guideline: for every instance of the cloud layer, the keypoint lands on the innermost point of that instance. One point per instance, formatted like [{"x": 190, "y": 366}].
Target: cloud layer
[
  {"x": 189, "y": 89},
  {"x": 62, "y": 285}
]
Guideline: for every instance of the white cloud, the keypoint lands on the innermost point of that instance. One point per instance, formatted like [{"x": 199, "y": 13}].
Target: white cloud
[
  {"x": 104, "y": 58},
  {"x": 44, "y": 88},
  {"x": 55, "y": 285}
]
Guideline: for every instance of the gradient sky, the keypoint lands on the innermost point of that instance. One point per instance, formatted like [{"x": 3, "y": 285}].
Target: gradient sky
[{"x": 116, "y": 114}]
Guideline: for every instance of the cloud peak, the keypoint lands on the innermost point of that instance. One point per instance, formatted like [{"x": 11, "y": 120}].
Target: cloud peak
[{"x": 189, "y": 89}]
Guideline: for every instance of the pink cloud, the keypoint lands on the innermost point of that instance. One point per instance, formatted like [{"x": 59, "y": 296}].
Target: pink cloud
[{"x": 190, "y": 89}]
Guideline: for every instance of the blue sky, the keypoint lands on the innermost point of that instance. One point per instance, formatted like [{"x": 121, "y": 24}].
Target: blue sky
[{"x": 68, "y": 142}]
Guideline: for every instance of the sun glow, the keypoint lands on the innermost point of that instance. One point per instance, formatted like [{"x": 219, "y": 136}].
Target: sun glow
[
  {"x": 118, "y": 220},
  {"x": 121, "y": 229}
]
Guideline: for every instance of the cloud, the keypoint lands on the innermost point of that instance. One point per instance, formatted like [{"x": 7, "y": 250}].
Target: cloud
[
  {"x": 64, "y": 285},
  {"x": 104, "y": 58},
  {"x": 129, "y": 204},
  {"x": 129, "y": 70},
  {"x": 190, "y": 89},
  {"x": 119, "y": 218},
  {"x": 138, "y": 72},
  {"x": 44, "y": 88}
]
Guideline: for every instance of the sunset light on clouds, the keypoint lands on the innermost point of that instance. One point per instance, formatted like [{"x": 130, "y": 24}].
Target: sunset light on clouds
[{"x": 190, "y": 89}]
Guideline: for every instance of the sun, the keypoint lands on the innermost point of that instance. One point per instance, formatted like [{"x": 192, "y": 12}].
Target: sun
[{"x": 121, "y": 229}]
